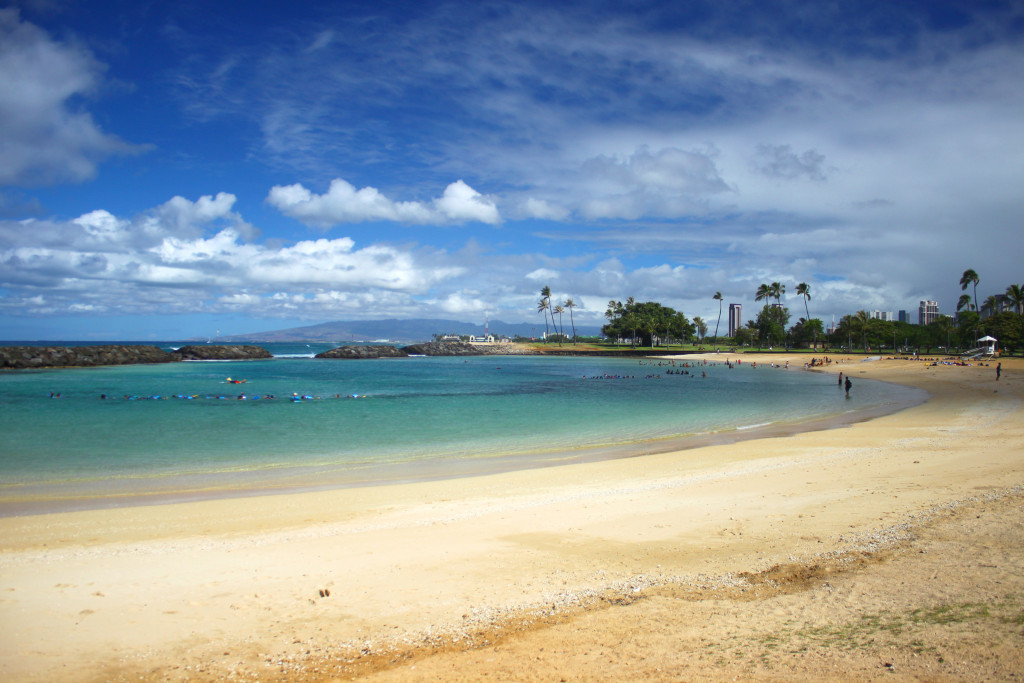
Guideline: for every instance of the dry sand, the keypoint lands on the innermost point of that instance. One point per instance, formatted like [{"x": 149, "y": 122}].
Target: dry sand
[{"x": 890, "y": 548}]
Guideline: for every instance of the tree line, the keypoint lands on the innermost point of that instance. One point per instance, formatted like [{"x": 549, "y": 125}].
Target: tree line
[{"x": 651, "y": 323}]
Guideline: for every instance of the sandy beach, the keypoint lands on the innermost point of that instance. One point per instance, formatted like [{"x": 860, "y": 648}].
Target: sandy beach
[{"x": 888, "y": 548}]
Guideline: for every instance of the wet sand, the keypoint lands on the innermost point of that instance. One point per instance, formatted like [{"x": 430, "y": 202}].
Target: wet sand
[{"x": 889, "y": 547}]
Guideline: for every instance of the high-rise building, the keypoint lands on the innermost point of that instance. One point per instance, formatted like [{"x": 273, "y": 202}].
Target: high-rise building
[
  {"x": 735, "y": 318},
  {"x": 927, "y": 311},
  {"x": 904, "y": 316},
  {"x": 882, "y": 315}
]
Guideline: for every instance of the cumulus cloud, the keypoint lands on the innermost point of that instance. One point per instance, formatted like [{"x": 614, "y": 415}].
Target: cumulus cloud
[
  {"x": 102, "y": 262},
  {"x": 44, "y": 139},
  {"x": 343, "y": 203}
]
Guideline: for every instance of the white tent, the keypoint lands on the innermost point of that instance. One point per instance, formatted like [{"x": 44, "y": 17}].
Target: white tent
[{"x": 991, "y": 343}]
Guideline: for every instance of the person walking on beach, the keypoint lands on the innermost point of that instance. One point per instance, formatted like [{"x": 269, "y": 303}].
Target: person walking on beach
[
  {"x": 999, "y": 370},
  {"x": 848, "y": 385}
]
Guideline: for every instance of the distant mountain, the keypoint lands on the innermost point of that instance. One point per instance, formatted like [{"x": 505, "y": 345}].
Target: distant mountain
[{"x": 412, "y": 330}]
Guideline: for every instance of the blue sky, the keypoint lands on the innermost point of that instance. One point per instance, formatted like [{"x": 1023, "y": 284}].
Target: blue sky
[{"x": 172, "y": 169}]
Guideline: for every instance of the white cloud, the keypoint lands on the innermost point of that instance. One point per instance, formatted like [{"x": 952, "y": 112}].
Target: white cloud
[
  {"x": 462, "y": 303},
  {"x": 44, "y": 139},
  {"x": 540, "y": 208},
  {"x": 461, "y": 203},
  {"x": 182, "y": 253},
  {"x": 542, "y": 275},
  {"x": 343, "y": 203}
]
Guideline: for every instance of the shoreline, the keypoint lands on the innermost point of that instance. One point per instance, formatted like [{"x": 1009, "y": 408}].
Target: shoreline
[
  {"x": 53, "y": 497},
  {"x": 427, "y": 574}
]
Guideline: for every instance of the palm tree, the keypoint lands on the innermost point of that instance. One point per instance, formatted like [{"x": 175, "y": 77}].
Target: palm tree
[
  {"x": 542, "y": 307},
  {"x": 1015, "y": 293},
  {"x": 570, "y": 304},
  {"x": 970, "y": 278},
  {"x": 718, "y": 297},
  {"x": 804, "y": 290},
  {"x": 763, "y": 292},
  {"x": 963, "y": 302},
  {"x": 860, "y": 321},
  {"x": 991, "y": 303},
  {"x": 559, "y": 310},
  {"x": 777, "y": 290},
  {"x": 545, "y": 307},
  {"x": 702, "y": 327}
]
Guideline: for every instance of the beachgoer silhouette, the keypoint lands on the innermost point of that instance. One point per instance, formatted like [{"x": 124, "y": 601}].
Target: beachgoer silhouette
[
  {"x": 999, "y": 370},
  {"x": 848, "y": 385}
]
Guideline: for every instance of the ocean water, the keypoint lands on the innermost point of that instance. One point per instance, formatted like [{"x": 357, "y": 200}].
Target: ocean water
[{"x": 181, "y": 431}]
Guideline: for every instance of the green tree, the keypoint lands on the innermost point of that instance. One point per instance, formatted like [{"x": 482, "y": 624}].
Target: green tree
[
  {"x": 702, "y": 328},
  {"x": 967, "y": 324},
  {"x": 777, "y": 290},
  {"x": 561, "y": 328},
  {"x": 806, "y": 331},
  {"x": 963, "y": 302},
  {"x": 637, "y": 321},
  {"x": 862, "y": 319},
  {"x": 681, "y": 327},
  {"x": 771, "y": 324},
  {"x": 852, "y": 327},
  {"x": 1008, "y": 329}
]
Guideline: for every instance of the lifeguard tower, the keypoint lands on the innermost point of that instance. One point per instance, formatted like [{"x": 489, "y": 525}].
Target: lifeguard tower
[{"x": 989, "y": 345}]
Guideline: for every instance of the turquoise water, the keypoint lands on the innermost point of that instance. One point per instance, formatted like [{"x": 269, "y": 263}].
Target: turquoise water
[{"x": 182, "y": 430}]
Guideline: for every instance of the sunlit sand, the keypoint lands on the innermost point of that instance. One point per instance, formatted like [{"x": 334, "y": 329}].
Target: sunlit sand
[{"x": 768, "y": 557}]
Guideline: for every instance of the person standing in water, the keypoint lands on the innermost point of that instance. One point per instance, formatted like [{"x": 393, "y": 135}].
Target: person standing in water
[{"x": 848, "y": 385}]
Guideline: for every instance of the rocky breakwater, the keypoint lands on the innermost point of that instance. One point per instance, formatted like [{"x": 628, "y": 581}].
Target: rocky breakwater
[
  {"x": 80, "y": 356},
  {"x": 467, "y": 349},
  {"x": 364, "y": 352},
  {"x": 221, "y": 352}
]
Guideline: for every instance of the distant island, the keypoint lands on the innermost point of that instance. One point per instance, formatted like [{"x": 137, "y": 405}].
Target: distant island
[{"x": 394, "y": 330}]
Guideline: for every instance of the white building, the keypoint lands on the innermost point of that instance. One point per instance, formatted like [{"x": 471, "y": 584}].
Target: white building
[
  {"x": 735, "y": 318},
  {"x": 927, "y": 311}
]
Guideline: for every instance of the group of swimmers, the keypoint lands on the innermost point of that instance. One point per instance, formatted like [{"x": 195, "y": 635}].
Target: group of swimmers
[{"x": 295, "y": 397}]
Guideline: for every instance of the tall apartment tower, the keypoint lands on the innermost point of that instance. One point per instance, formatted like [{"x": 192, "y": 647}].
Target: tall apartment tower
[
  {"x": 735, "y": 318},
  {"x": 927, "y": 311}
]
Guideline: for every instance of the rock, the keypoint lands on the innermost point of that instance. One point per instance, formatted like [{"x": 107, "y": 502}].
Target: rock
[
  {"x": 467, "y": 349},
  {"x": 385, "y": 351},
  {"x": 80, "y": 356},
  {"x": 221, "y": 352}
]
